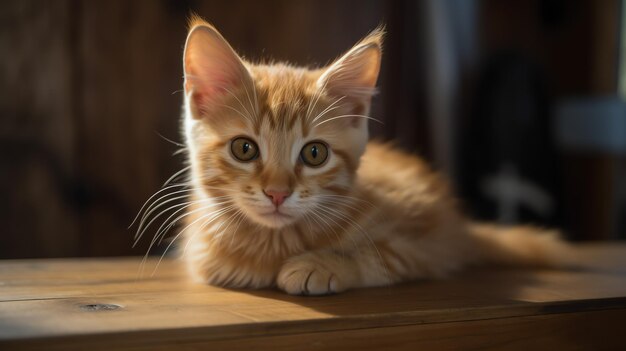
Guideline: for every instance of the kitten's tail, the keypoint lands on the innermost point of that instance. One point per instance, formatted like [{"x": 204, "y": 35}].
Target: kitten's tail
[{"x": 522, "y": 246}]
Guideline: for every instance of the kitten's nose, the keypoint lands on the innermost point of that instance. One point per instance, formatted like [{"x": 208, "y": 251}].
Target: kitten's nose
[{"x": 277, "y": 196}]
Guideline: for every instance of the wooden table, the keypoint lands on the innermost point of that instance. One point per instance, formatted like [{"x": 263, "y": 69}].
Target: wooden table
[{"x": 101, "y": 304}]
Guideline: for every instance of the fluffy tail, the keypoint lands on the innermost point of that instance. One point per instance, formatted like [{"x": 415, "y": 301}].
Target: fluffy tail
[{"x": 522, "y": 246}]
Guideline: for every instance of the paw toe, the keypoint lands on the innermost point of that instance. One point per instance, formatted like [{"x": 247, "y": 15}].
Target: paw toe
[{"x": 307, "y": 281}]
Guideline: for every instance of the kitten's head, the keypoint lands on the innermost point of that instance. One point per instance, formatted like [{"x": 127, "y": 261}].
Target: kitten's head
[{"x": 276, "y": 142}]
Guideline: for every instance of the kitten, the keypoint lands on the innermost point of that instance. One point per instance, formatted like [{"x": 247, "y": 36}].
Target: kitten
[{"x": 287, "y": 191}]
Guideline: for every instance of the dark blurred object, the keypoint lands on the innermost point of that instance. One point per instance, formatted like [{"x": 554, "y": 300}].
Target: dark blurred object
[
  {"x": 593, "y": 132},
  {"x": 535, "y": 54},
  {"x": 508, "y": 159}
]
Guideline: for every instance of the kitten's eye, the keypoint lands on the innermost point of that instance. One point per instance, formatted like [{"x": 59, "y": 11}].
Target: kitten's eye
[
  {"x": 244, "y": 149},
  {"x": 314, "y": 153}
]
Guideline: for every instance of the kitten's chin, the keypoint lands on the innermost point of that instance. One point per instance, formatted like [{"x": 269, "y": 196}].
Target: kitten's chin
[{"x": 273, "y": 219}]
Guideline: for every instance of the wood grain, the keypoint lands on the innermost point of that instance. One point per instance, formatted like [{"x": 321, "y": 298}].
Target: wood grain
[{"x": 104, "y": 303}]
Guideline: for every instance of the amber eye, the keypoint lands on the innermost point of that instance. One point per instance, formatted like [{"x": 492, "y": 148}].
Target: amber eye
[
  {"x": 244, "y": 149},
  {"x": 314, "y": 153}
]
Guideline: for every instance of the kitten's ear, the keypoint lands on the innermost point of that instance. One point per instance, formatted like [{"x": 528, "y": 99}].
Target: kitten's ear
[
  {"x": 354, "y": 74},
  {"x": 212, "y": 68}
]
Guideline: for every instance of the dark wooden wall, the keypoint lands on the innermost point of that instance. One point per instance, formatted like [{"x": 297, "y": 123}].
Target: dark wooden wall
[{"x": 87, "y": 87}]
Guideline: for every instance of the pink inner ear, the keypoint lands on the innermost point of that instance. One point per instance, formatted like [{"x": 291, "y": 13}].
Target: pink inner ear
[
  {"x": 200, "y": 100},
  {"x": 208, "y": 91},
  {"x": 206, "y": 98},
  {"x": 213, "y": 71}
]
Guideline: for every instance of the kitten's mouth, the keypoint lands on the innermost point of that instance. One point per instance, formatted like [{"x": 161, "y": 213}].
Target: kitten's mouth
[
  {"x": 276, "y": 218},
  {"x": 277, "y": 214}
]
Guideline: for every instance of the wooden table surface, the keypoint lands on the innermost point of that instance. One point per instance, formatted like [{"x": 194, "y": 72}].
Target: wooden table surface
[{"x": 94, "y": 304}]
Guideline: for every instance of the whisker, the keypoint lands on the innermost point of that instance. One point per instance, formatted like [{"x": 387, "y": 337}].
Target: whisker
[
  {"x": 341, "y": 215},
  {"x": 316, "y": 98},
  {"x": 176, "y": 175},
  {"x": 345, "y": 197},
  {"x": 237, "y": 111},
  {"x": 150, "y": 198},
  {"x": 180, "y": 151},
  {"x": 324, "y": 222},
  {"x": 328, "y": 109},
  {"x": 306, "y": 218},
  {"x": 212, "y": 216},
  {"x": 347, "y": 116},
  {"x": 165, "y": 226},
  {"x": 143, "y": 261},
  {"x": 241, "y": 217},
  {"x": 347, "y": 205},
  {"x": 256, "y": 101},
  {"x": 255, "y": 107},
  {"x": 170, "y": 140},
  {"x": 324, "y": 210},
  {"x": 240, "y": 103},
  {"x": 177, "y": 236},
  {"x": 184, "y": 205},
  {"x": 141, "y": 233},
  {"x": 220, "y": 234},
  {"x": 158, "y": 204}
]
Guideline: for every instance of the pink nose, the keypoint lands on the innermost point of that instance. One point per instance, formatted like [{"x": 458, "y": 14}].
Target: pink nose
[{"x": 277, "y": 196}]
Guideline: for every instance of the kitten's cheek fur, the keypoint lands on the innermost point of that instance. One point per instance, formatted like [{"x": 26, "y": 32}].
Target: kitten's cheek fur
[{"x": 318, "y": 273}]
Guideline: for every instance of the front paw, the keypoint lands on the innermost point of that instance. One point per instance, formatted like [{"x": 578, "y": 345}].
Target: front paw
[{"x": 313, "y": 274}]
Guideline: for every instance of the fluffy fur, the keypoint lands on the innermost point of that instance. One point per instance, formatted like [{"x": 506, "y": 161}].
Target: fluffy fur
[{"x": 369, "y": 216}]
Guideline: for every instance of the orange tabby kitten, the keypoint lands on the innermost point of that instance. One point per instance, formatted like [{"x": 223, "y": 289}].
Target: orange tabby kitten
[{"x": 288, "y": 192}]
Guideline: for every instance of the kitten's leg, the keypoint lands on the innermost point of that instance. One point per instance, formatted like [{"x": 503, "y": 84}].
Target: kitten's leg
[
  {"x": 406, "y": 257},
  {"x": 318, "y": 273},
  {"x": 331, "y": 271},
  {"x": 376, "y": 264}
]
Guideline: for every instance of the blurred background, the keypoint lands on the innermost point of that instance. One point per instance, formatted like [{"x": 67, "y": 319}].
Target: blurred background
[{"x": 520, "y": 103}]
